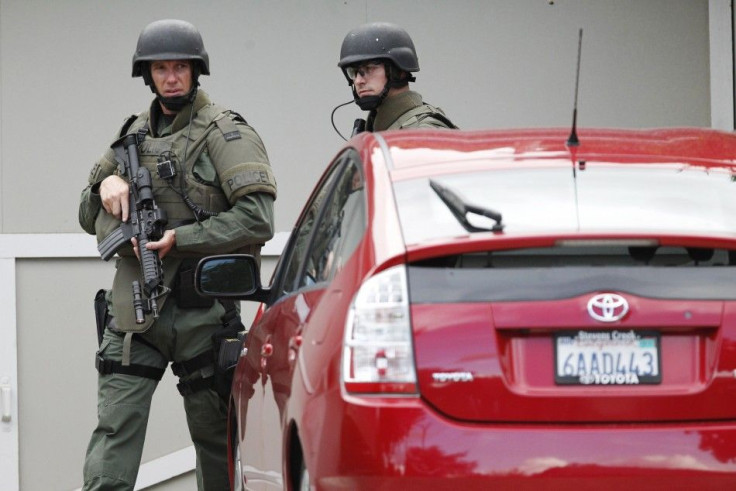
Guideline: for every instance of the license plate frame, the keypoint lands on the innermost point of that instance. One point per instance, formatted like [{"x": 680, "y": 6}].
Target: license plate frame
[{"x": 610, "y": 357}]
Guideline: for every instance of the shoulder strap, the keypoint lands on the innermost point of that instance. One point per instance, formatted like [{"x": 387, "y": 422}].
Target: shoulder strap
[
  {"x": 237, "y": 117},
  {"x": 141, "y": 132},
  {"x": 224, "y": 120},
  {"x": 227, "y": 127},
  {"x": 126, "y": 125}
]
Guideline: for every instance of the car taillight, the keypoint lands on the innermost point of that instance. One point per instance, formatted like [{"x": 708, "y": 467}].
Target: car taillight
[{"x": 378, "y": 356}]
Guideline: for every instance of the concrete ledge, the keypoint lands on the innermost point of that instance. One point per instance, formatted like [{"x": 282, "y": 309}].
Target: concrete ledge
[{"x": 164, "y": 468}]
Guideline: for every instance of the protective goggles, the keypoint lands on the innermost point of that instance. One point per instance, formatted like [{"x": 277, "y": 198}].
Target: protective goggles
[{"x": 365, "y": 70}]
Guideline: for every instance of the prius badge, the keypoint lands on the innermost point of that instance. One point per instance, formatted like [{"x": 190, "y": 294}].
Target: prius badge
[{"x": 608, "y": 307}]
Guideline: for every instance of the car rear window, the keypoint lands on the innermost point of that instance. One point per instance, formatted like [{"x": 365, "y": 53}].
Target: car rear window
[
  {"x": 544, "y": 196},
  {"x": 549, "y": 273}
]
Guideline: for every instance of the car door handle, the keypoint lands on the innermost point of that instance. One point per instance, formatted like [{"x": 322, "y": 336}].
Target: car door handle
[
  {"x": 266, "y": 350},
  {"x": 296, "y": 342}
]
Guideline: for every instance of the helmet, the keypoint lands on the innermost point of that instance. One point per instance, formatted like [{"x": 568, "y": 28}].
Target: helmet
[
  {"x": 170, "y": 39},
  {"x": 379, "y": 40}
]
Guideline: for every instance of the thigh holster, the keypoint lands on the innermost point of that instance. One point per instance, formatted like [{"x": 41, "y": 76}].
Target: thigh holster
[
  {"x": 106, "y": 367},
  {"x": 187, "y": 367}
]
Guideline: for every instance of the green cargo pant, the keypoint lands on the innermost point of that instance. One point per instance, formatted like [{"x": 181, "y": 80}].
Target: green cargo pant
[{"x": 114, "y": 451}]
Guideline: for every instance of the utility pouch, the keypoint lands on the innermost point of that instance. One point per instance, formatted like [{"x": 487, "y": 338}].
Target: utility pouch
[
  {"x": 101, "y": 314},
  {"x": 227, "y": 358},
  {"x": 229, "y": 353},
  {"x": 184, "y": 293},
  {"x": 228, "y": 342}
]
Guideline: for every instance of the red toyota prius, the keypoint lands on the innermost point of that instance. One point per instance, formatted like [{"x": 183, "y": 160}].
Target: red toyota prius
[{"x": 497, "y": 310}]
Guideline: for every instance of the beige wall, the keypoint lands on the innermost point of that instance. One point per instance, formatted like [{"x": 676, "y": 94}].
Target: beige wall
[
  {"x": 65, "y": 84},
  {"x": 65, "y": 88}
]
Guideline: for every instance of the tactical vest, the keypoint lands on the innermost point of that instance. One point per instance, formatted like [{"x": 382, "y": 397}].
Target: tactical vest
[
  {"x": 415, "y": 116},
  {"x": 201, "y": 185}
]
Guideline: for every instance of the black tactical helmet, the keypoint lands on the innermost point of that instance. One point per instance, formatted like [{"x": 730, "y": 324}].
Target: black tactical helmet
[
  {"x": 379, "y": 40},
  {"x": 170, "y": 39}
]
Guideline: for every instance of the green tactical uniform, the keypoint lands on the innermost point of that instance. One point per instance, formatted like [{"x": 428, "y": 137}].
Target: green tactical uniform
[
  {"x": 406, "y": 110},
  {"x": 226, "y": 171}
]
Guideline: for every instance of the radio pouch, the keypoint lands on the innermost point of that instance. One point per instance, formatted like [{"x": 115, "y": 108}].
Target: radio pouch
[
  {"x": 227, "y": 359},
  {"x": 228, "y": 342}
]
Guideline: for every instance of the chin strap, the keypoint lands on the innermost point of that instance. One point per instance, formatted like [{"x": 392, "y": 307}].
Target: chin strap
[
  {"x": 177, "y": 103},
  {"x": 371, "y": 102}
]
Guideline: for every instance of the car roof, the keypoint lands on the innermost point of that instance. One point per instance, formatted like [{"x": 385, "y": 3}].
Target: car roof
[
  {"x": 673, "y": 181},
  {"x": 405, "y": 149}
]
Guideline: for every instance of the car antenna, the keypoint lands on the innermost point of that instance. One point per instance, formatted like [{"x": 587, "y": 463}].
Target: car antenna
[{"x": 572, "y": 140}]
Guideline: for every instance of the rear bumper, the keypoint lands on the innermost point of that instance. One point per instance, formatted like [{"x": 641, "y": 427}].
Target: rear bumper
[{"x": 402, "y": 444}]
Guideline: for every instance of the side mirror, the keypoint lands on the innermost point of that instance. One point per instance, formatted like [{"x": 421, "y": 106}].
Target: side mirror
[{"x": 235, "y": 276}]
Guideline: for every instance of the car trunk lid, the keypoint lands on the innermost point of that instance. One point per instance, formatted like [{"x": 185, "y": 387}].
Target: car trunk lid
[{"x": 487, "y": 343}]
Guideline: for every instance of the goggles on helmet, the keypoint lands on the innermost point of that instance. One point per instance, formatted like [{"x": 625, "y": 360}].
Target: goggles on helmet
[{"x": 364, "y": 69}]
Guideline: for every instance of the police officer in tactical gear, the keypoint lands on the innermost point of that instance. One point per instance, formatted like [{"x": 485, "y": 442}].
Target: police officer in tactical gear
[
  {"x": 378, "y": 60},
  {"x": 217, "y": 190}
]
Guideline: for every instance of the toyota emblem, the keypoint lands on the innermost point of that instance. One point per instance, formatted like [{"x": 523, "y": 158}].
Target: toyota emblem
[{"x": 608, "y": 307}]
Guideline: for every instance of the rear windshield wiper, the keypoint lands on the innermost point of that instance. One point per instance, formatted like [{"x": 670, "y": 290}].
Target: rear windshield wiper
[{"x": 460, "y": 208}]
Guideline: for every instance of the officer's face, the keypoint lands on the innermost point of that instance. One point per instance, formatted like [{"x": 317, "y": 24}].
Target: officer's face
[
  {"x": 172, "y": 78},
  {"x": 370, "y": 79}
]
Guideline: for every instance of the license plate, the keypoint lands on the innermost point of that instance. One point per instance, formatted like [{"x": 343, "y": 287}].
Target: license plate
[{"x": 607, "y": 358}]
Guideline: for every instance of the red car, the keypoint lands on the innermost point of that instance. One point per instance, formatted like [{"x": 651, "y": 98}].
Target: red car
[{"x": 497, "y": 310}]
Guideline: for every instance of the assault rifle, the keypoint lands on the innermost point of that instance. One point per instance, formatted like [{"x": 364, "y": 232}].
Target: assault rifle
[{"x": 146, "y": 222}]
